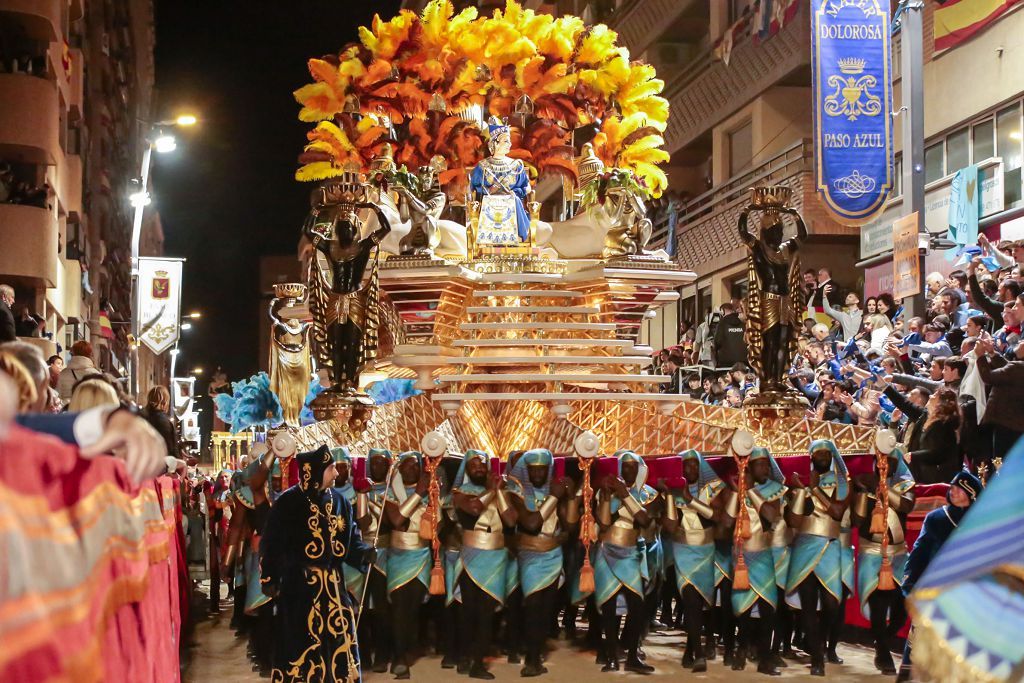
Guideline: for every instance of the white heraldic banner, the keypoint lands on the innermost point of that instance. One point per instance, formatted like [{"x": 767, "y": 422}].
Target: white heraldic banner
[{"x": 159, "y": 302}]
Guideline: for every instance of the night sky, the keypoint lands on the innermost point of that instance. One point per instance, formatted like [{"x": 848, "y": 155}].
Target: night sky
[{"x": 227, "y": 194}]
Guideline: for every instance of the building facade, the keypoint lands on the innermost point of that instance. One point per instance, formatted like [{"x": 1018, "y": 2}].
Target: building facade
[{"x": 76, "y": 79}]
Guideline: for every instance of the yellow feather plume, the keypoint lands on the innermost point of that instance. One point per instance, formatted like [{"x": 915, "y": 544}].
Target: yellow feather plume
[
  {"x": 598, "y": 46},
  {"x": 317, "y": 170}
]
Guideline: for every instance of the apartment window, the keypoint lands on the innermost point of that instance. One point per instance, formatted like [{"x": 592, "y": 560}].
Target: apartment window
[
  {"x": 983, "y": 140},
  {"x": 897, "y": 177},
  {"x": 958, "y": 151},
  {"x": 741, "y": 149},
  {"x": 933, "y": 162},
  {"x": 1008, "y": 146},
  {"x": 704, "y": 302}
]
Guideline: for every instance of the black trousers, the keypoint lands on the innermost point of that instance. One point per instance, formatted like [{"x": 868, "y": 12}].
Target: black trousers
[
  {"x": 478, "y": 609},
  {"x": 814, "y": 627},
  {"x": 888, "y": 612},
  {"x": 758, "y": 630},
  {"x": 375, "y": 624},
  {"x": 540, "y": 606},
  {"x": 634, "y": 622},
  {"x": 724, "y": 619},
  {"x": 405, "y": 619},
  {"x": 693, "y": 619},
  {"x": 452, "y": 633},
  {"x": 783, "y": 624},
  {"x": 514, "y": 610}
]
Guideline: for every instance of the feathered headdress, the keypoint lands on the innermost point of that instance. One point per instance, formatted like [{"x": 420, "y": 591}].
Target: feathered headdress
[{"x": 250, "y": 404}]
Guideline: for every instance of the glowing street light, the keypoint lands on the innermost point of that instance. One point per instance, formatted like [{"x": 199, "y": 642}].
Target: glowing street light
[
  {"x": 140, "y": 199},
  {"x": 186, "y": 120},
  {"x": 195, "y": 315},
  {"x": 165, "y": 143},
  {"x": 197, "y": 371},
  {"x": 186, "y": 326}
]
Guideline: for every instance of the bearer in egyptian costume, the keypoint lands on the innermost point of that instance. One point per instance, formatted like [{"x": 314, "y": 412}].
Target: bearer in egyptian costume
[
  {"x": 883, "y": 604},
  {"x": 622, "y": 509},
  {"x": 310, "y": 536},
  {"x": 375, "y": 622},
  {"x": 815, "y": 570},
  {"x": 290, "y": 366},
  {"x": 408, "y": 561},
  {"x": 354, "y": 578},
  {"x": 484, "y": 510},
  {"x": 763, "y": 506},
  {"x": 546, "y": 511},
  {"x": 690, "y": 515}
]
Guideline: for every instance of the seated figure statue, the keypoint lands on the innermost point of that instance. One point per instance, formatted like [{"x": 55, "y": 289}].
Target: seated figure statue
[
  {"x": 616, "y": 226},
  {"x": 501, "y": 184}
]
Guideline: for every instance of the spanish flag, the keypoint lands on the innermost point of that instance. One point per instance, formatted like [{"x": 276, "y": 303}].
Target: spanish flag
[
  {"x": 958, "y": 20},
  {"x": 106, "y": 330}
]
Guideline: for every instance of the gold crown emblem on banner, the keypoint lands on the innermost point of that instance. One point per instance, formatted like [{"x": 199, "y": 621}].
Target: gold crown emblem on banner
[
  {"x": 852, "y": 65},
  {"x": 160, "y": 273}
]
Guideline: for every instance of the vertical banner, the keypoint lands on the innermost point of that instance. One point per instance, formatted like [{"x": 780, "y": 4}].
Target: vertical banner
[
  {"x": 852, "y": 94},
  {"x": 963, "y": 206},
  {"x": 906, "y": 261},
  {"x": 159, "y": 302}
]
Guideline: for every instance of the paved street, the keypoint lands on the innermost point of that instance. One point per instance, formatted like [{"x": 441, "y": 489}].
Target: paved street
[{"x": 220, "y": 658}]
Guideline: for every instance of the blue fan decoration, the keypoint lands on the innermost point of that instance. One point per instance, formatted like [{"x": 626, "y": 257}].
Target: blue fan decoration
[
  {"x": 391, "y": 390},
  {"x": 250, "y": 404},
  {"x": 315, "y": 389}
]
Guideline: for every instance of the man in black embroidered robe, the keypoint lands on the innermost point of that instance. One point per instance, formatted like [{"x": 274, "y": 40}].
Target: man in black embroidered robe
[{"x": 309, "y": 535}]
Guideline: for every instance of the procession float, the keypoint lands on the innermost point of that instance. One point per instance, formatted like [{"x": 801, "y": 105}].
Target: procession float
[{"x": 478, "y": 265}]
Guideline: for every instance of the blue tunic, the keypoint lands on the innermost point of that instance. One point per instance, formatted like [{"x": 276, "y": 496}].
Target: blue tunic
[{"x": 492, "y": 177}]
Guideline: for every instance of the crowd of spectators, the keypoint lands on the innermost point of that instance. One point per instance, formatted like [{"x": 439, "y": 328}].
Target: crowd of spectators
[
  {"x": 950, "y": 382},
  {"x": 15, "y": 191}
]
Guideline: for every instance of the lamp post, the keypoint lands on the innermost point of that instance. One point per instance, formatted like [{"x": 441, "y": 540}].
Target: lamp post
[{"x": 162, "y": 143}]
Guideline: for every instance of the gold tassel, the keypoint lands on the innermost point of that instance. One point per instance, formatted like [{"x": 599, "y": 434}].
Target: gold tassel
[
  {"x": 437, "y": 580},
  {"x": 744, "y": 525},
  {"x": 878, "y": 525},
  {"x": 886, "y": 582},
  {"x": 586, "y": 577},
  {"x": 741, "y": 576},
  {"x": 427, "y": 524}
]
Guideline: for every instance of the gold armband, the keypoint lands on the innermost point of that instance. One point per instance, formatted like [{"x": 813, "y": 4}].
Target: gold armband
[
  {"x": 503, "y": 505},
  {"x": 410, "y": 506},
  {"x": 486, "y": 498},
  {"x": 229, "y": 555},
  {"x": 862, "y": 504},
  {"x": 548, "y": 507},
  {"x": 572, "y": 511},
  {"x": 362, "y": 505},
  {"x": 671, "y": 511},
  {"x": 632, "y": 504},
  {"x": 820, "y": 495},
  {"x": 895, "y": 498},
  {"x": 800, "y": 500},
  {"x": 703, "y": 509}
]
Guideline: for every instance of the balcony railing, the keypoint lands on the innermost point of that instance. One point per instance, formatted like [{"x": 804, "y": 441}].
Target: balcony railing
[
  {"x": 29, "y": 119},
  {"x": 29, "y": 244},
  {"x": 706, "y": 227},
  {"x": 706, "y": 91},
  {"x": 38, "y": 19},
  {"x": 640, "y": 23}
]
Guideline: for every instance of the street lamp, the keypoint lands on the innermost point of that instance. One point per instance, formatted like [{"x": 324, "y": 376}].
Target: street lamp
[
  {"x": 186, "y": 326},
  {"x": 197, "y": 371},
  {"x": 162, "y": 143},
  {"x": 195, "y": 315}
]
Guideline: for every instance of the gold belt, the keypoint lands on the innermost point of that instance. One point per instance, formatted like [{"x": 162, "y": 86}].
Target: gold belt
[
  {"x": 383, "y": 540},
  {"x": 874, "y": 548},
  {"x": 761, "y": 541},
  {"x": 345, "y": 307},
  {"x": 407, "y": 540},
  {"x": 538, "y": 543},
  {"x": 620, "y": 536},
  {"x": 483, "y": 540},
  {"x": 820, "y": 526},
  {"x": 782, "y": 538},
  {"x": 693, "y": 536}
]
